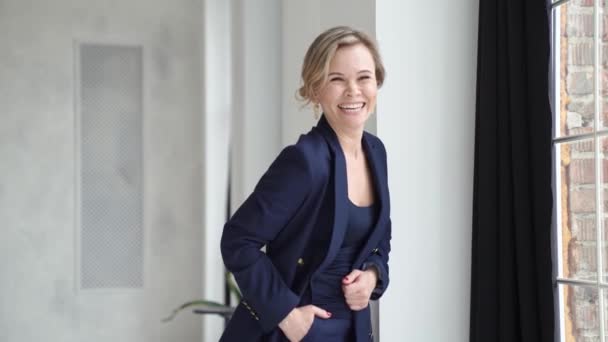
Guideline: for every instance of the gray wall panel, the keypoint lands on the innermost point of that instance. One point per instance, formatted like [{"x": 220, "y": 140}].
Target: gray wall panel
[{"x": 39, "y": 288}]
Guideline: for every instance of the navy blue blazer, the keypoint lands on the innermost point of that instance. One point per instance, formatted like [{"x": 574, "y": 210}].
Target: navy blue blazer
[{"x": 299, "y": 201}]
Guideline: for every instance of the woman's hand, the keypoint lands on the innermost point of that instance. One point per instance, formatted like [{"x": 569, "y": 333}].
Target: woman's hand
[
  {"x": 358, "y": 286},
  {"x": 298, "y": 322}
]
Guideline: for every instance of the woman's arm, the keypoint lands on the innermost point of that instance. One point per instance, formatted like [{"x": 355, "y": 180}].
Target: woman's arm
[
  {"x": 379, "y": 259},
  {"x": 379, "y": 256},
  {"x": 276, "y": 198}
]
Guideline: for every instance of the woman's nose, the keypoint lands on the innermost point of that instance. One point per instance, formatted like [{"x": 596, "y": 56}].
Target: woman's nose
[{"x": 352, "y": 89}]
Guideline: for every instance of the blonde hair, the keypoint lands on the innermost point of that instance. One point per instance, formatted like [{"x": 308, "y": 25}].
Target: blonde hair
[{"x": 320, "y": 53}]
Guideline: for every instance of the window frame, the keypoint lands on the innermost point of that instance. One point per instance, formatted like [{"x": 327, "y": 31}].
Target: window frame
[{"x": 599, "y": 284}]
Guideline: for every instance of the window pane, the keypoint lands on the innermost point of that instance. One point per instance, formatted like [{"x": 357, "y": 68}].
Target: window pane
[
  {"x": 603, "y": 210},
  {"x": 577, "y": 210},
  {"x": 605, "y": 296},
  {"x": 578, "y": 2},
  {"x": 574, "y": 60},
  {"x": 579, "y": 313},
  {"x": 603, "y": 66}
]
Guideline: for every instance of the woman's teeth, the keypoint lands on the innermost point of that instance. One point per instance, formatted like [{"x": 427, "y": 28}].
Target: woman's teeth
[{"x": 351, "y": 107}]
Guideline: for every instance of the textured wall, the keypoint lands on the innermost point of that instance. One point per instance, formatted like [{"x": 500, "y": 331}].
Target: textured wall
[{"x": 38, "y": 293}]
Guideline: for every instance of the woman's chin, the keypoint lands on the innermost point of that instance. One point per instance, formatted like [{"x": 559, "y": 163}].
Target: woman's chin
[{"x": 354, "y": 121}]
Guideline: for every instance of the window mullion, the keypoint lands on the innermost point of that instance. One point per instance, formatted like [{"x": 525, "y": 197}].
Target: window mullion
[
  {"x": 559, "y": 2},
  {"x": 598, "y": 162},
  {"x": 556, "y": 86}
]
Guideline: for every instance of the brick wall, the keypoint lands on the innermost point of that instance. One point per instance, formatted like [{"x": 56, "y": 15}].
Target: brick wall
[{"x": 577, "y": 111}]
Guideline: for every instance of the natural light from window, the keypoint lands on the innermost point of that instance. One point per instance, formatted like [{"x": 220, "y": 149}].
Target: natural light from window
[{"x": 580, "y": 106}]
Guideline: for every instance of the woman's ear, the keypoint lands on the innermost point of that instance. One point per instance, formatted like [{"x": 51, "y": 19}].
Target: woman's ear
[
  {"x": 316, "y": 109},
  {"x": 314, "y": 99},
  {"x": 314, "y": 95}
]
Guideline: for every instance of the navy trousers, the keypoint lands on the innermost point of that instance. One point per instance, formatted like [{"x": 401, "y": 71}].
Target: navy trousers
[{"x": 330, "y": 330}]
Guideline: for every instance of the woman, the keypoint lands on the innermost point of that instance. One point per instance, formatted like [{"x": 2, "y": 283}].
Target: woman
[{"x": 321, "y": 210}]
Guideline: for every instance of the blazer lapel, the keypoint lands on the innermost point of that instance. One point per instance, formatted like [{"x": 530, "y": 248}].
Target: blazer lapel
[
  {"x": 341, "y": 195},
  {"x": 340, "y": 192},
  {"x": 380, "y": 186}
]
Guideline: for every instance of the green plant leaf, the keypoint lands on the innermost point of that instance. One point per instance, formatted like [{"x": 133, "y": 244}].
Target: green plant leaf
[
  {"x": 198, "y": 302},
  {"x": 232, "y": 287}
]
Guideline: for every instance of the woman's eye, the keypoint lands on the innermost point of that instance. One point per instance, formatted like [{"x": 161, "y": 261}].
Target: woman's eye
[
  {"x": 335, "y": 79},
  {"x": 364, "y": 77}
]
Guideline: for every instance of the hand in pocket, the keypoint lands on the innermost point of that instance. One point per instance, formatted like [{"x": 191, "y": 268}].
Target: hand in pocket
[{"x": 298, "y": 322}]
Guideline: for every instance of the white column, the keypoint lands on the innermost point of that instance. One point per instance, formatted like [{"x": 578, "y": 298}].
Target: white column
[
  {"x": 242, "y": 92},
  {"x": 216, "y": 94},
  {"x": 256, "y": 138},
  {"x": 301, "y": 23},
  {"x": 426, "y": 120}
]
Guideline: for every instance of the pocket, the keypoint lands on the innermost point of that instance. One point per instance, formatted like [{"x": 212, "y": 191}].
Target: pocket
[{"x": 310, "y": 335}]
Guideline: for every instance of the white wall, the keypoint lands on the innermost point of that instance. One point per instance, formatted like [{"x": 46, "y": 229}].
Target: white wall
[
  {"x": 38, "y": 293},
  {"x": 426, "y": 120},
  {"x": 457, "y": 160}
]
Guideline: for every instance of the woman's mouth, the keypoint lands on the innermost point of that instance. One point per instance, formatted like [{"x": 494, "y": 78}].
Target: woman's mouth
[{"x": 351, "y": 107}]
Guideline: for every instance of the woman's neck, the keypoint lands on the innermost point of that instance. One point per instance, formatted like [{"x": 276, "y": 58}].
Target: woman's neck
[{"x": 350, "y": 141}]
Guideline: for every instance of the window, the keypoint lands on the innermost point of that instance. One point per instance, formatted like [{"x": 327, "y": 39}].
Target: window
[{"x": 580, "y": 107}]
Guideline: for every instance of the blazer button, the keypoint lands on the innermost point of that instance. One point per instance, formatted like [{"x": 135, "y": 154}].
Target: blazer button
[
  {"x": 300, "y": 261},
  {"x": 375, "y": 250}
]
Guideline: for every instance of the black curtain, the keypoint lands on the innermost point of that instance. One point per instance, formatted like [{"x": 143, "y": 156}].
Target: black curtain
[{"x": 511, "y": 280}]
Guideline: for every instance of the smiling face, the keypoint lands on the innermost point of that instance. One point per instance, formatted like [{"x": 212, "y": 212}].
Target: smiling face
[{"x": 349, "y": 95}]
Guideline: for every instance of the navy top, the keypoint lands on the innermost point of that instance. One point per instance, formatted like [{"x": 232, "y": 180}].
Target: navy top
[{"x": 327, "y": 286}]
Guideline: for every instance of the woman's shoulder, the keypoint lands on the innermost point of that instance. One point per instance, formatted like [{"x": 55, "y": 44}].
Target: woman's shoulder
[
  {"x": 310, "y": 150},
  {"x": 312, "y": 143},
  {"x": 374, "y": 141}
]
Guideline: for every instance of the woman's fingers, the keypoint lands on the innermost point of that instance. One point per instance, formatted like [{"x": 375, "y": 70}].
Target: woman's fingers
[
  {"x": 351, "y": 277},
  {"x": 317, "y": 311},
  {"x": 357, "y": 291},
  {"x": 298, "y": 322}
]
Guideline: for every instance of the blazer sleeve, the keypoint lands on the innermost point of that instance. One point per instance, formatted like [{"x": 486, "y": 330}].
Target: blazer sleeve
[
  {"x": 274, "y": 201},
  {"x": 379, "y": 256},
  {"x": 379, "y": 259}
]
